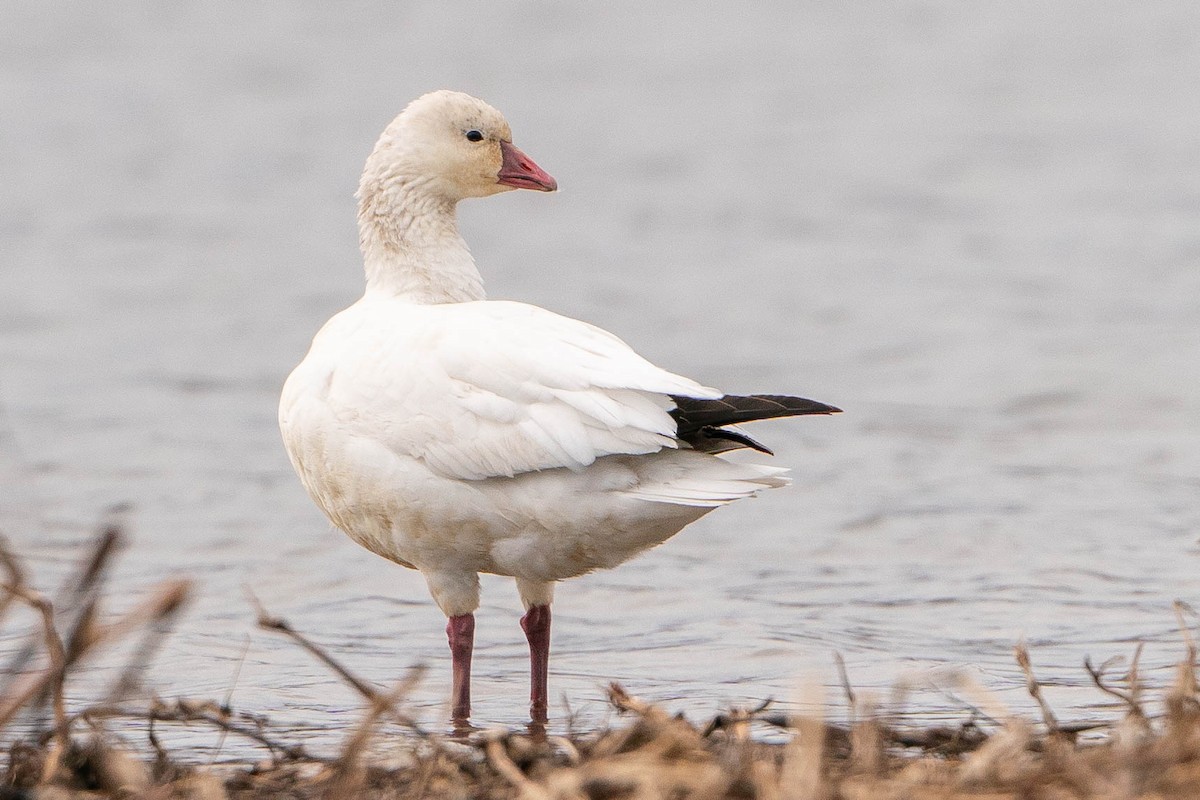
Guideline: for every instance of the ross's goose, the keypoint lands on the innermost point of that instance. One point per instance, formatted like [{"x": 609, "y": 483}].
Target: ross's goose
[{"x": 456, "y": 435}]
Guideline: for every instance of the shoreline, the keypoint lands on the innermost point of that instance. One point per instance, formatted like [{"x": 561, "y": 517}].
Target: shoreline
[{"x": 646, "y": 752}]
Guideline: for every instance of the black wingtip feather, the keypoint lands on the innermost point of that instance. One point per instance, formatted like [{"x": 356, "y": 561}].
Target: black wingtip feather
[
  {"x": 692, "y": 413},
  {"x": 738, "y": 439},
  {"x": 700, "y": 421}
]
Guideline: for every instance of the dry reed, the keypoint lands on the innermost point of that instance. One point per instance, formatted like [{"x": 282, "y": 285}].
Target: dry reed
[{"x": 650, "y": 755}]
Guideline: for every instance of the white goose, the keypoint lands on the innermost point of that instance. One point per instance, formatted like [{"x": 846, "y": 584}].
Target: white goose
[{"x": 456, "y": 435}]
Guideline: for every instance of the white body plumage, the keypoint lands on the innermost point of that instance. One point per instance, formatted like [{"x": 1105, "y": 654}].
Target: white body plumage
[{"x": 495, "y": 437}]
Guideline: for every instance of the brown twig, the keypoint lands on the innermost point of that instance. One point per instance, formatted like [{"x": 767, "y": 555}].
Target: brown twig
[
  {"x": 269, "y": 622},
  {"x": 1097, "y": 675},
  {"x": 72, "y": 595},
  {"x": 191, "y": 711},
  {"x": 82, "y": 594},
  {"x": 347, "y": 777},
  {"x": 1180, "y": 608},
  {"x": 166, "y": 598},
  {"x": 161, "y": 621},
  {"x": 844, "y": 677},
  {"x": 164, "y": 601},
  {"x": 94, "y": 568},
  {"x": 624, "y": 701},
  {"x": 1134, "y": 677},
  {"x": 498, "y": 757},
  {"x": 16, "y": 575},
  {"x": 371, "y": 693},
  {"x": 1035, "y": 688},
  {"x": 52, "y": 677},
  {"x": 226, "y": 705},
  {"x": 1183, "y": 705},
  {"x": 736, "y": 720},
  {"x": 976, "y": 711}
]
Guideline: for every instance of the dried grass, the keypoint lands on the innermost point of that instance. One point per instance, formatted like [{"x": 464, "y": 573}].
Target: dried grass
[{"x": 650, "y": 755}]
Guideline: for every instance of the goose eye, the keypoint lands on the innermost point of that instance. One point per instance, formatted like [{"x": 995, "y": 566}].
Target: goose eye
[{"x": 474, "y": 136}]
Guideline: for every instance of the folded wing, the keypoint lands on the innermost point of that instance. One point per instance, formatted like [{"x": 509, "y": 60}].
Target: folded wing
[{"x": 480, "y": 390}]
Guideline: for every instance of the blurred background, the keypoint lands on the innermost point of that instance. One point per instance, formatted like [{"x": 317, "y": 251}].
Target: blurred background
[{"x": 973, "y": 228}]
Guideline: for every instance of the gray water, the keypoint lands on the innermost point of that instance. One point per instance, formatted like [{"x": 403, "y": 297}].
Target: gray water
[{"x": 973, "y": 228}]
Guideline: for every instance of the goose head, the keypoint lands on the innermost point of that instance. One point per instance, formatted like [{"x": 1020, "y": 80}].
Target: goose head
[{"x": 451, "y": 146}]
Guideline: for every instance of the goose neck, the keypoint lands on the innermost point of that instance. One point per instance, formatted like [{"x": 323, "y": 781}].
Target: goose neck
[{"x": 411, "y": 245}]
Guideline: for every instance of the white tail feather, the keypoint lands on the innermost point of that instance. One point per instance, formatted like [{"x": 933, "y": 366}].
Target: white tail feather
[{"x": 724, "y": 483}]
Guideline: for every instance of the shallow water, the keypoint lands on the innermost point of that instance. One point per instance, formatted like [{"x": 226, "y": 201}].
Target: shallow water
[{"x": 974, "y": 229}]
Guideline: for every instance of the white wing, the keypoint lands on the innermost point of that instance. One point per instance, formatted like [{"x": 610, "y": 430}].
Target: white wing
[{"x": 487, "y": 389}]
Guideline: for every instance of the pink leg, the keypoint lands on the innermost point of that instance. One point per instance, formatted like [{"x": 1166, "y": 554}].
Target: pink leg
[
  {"x": 461, "y": 632},
  {"x": 536, "y": 624}
]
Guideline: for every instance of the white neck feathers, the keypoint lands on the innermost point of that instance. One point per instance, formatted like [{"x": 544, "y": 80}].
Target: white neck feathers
[{"x": 411, "y": 248}]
